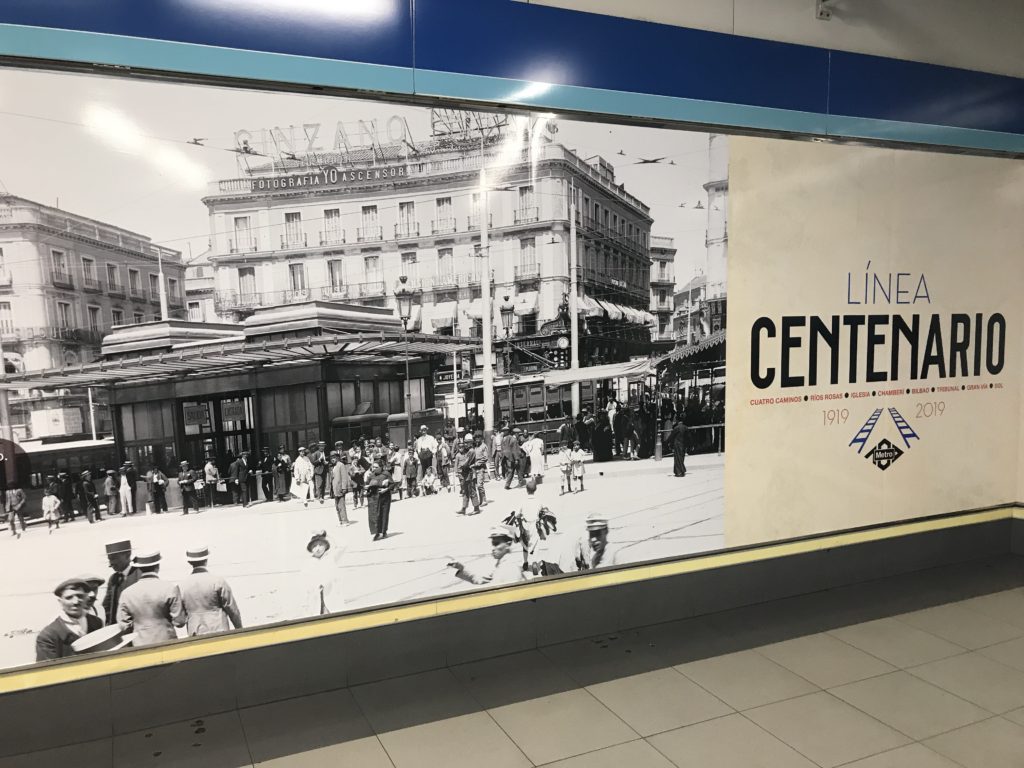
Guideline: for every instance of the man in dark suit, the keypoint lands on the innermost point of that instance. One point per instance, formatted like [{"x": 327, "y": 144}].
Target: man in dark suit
[
  {"x": 119, "y": 555},
  {"x": 55, "y": 639},
  {"x": 266, "y": 468},
  {"x": 321, "y": 470},
  {"x": 512, "y": 453},
  {"x": 238, "y": 476}
]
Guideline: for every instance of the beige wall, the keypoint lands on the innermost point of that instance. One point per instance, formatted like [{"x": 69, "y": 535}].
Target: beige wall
[
  {"x": 982, "y": 34},
  {"x": 802, "y": 216}
]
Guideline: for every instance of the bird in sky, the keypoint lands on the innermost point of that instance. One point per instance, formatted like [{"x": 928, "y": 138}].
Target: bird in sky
[
  {"x": 649, "y": 160},
  {"x": 197, "y": 142}
]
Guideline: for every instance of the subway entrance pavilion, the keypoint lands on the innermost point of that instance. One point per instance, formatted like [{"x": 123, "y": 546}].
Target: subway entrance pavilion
[{"x": 286, "y": 375}]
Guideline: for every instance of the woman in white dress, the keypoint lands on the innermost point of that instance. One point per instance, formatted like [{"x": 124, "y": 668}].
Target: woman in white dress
[
  {"x": 535, "y": 450},
  {"x": 321, "y": 578}
]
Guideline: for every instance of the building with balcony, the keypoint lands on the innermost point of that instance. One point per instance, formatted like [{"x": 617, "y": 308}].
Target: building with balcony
[
  {"x": 65, "y": 281},
  {"x": 663, "y": 285},
  {"x": 343, "y": 226},
  {"x": 200, "y": 306}
]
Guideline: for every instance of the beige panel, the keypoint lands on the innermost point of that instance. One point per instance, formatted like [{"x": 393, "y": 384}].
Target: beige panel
[
  {"x": 982, "y": 34},
  {"x": 802, "y": 216}
]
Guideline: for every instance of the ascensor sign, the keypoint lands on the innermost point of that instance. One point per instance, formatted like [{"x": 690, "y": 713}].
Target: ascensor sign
[{"x": 329, "y": 177}]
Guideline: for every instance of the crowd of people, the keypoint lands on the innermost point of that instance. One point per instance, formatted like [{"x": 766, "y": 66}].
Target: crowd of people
[{"x": 139, "y": 607}]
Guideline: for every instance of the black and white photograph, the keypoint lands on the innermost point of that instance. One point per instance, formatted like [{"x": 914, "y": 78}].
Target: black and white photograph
[{"x": 270, "y": 356}]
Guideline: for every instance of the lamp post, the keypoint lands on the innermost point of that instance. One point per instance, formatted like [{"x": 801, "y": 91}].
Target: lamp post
[
  {"x": 403, "y": 298},
  {"x": 507, "y": 310}
]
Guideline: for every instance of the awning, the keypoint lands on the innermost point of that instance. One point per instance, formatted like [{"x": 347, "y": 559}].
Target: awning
[
  {"x": 588, "y": 307},
  {"x": 416, "y": 317},
  {"x": 631, "y": 314},
  {"x": 237, "y": 355},
  {"x": 631, "y": 370},
  {"x": 441, "y": 315},
  {"x": 614, "y": 313},
  {"x": 526, "y": 303},
  {"x": 650, "y": 319},
  {"x": 475, "y": 309}
]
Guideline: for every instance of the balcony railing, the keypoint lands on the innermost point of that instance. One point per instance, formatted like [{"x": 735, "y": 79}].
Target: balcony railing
[
  {"x": 338, "y": 293},
  {"x": 443, "y": 226},
  {"x": 406, "y": 229},
  {"x": 294, "y": 240},
  {"x": 63, "y": 280},
  {"x": 228, "y": 301},
  {"x": 243, "y": 245},
  {"x": 527, "y": 272},
  {"x": 91, "y": 284},
  {"x": 527, "y": 215},
  {"x": 332, "y": 237},
  {"x": 154, "y": 295},
  {"x": 444, "y": 280},
  {"x": 473, "y": 222},
  {"x": 175, "y": 299},
  {"x": 372, "y": 288},
  {"x": 115, "y": 289},
  {"x": 52, "y": 333},
  {"x": 369, "y": 234},
  {"x": 136, "y": 292}
]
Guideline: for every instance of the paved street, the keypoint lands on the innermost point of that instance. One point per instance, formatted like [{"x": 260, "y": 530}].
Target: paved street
[{"x": 260, "y": 550}]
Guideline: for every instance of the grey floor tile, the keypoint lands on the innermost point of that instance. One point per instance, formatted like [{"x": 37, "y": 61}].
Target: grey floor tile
[
  {"x": 728, "y": 742},
  {"x": 407, "y": 701},
  {"x": 959, "y": 624},
  {"x": 508, "y": 679},
  {"x": 658, "y": 701},
  {"x": 430, "y": 719},
  {"x": 897, "y": 643},
  {"x": 825, "y": 660},
  {"x": 1016, "y": 716},
  {"x": 561, "y": 725},
  {"x": 995, "y": 743},
  {"x": 910, "y": 705},
  {"x": 1010, "y": 653},
  {"x": 464, "y": 741},
  {"x": 1007, "y": 605},
  {"x": 216, "y": 741},
  {"x": 977, "y": 678},
  {"x": 910, "y": 756},
  {"x": 828, "y": 731},
  {"x": 325, "y": 728},
  {"x": 91, "y": 754},
  {"x": 635, "y": 754},
  {"x": 746, "y": 679}
]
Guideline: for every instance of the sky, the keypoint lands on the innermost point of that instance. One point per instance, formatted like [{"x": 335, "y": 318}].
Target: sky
[{"x": 117, "y": 150}]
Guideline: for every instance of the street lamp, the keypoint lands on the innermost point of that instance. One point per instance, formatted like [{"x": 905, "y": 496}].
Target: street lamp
[
  {"x": 404, "y": 297},
  {"x": 508, "y": 310}
]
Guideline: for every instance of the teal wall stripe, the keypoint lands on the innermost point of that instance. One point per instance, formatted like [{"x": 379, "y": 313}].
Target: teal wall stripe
[{"x": 191, "y": 58}]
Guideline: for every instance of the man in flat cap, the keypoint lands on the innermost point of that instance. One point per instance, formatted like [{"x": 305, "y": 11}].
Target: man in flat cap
[
  {"x": 597, "y": 552},
  {"x": 151, "y": 607},
  {"x": 506, "y": 568},
  {"x": 341, "y": 482},
  {"x": 207, "y": 599},
  {"x": 119, "y": 555},
  {"x": 72, "y": 622},
  {"x": 111, "y": 483}
]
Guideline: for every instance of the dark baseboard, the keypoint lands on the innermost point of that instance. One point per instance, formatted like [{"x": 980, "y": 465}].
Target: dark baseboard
[{"x": 144, "y": 698}]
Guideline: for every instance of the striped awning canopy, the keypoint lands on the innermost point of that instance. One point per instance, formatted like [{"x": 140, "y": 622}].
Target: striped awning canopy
[{"x": 237, "y": 355}]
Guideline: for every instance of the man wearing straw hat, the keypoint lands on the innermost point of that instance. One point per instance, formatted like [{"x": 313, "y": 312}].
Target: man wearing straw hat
[
  {"x": 506, "y": 569},
  {"x": 55, "y": 639},
  {"x": 207, "y": 599},
  {"x": 598, "y": 553},
  {"x": 151, "y": 607}
]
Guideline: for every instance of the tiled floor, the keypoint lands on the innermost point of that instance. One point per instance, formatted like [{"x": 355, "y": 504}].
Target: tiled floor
[{"x": 921, "y": 671}]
